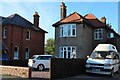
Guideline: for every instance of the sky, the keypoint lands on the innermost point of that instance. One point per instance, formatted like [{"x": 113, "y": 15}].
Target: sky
[{"x": 50, "y": 12}]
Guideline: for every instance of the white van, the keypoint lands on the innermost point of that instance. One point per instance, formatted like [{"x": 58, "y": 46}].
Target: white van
[{"x": 103, "y": 60}]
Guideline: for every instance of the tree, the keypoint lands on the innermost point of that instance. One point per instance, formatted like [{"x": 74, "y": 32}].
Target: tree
[{"x": 49, "y": 46}]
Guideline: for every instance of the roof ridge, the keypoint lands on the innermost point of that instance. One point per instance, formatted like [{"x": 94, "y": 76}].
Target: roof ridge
[{"x": 91, "y": 14}]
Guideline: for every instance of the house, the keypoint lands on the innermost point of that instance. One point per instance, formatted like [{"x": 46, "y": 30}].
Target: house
[
  {"x": 21, "y": 37},
  {"x": 81, "y": 34}
]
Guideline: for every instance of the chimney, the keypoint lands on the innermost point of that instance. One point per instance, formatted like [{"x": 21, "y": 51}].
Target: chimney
[
  {"x": 103, "y": 20},
  {"x": 62, "y": 10},
  {"x": 36, "y": 19}
]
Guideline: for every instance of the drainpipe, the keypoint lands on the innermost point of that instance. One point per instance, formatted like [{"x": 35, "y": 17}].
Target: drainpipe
[
  {"x": 11, "y": 45},
  {"x": 21, "y": 45}
]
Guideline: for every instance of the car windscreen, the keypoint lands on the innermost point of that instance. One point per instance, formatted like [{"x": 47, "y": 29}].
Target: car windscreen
[{"x": 102, "y": 55}]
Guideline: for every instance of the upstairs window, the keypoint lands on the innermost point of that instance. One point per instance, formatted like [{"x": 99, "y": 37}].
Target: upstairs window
[
  {"x": 27, "y": 53},
  {"x": 111, "y": 35},
  {"x": 16, "y": 52},
  {"x": 28, "y": 34},
  {"x": 68, "y": 30},
  {"x": 98, "y": 33},
  {"x": 5, "y": 32}
]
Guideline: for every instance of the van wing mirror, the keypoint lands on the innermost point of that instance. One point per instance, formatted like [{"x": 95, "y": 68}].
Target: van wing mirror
[{"x": 88, "y": 56}]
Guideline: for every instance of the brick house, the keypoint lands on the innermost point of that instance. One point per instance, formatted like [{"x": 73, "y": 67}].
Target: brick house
[
  {"x": 81, "y": 34},
  {"x": 22, "y": 38}
]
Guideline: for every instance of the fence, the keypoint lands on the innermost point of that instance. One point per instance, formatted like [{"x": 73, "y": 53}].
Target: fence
[
  {"x": 61, "y": 68},
  {"x": 22, "y": 63}
]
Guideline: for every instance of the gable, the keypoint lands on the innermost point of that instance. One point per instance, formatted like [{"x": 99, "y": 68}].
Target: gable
[
  {"x": 72, "y": 18},
  {"x": 94, "y": 21}
]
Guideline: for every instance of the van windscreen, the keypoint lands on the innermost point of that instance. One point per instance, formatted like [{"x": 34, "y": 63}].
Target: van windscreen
[{"x": 102, "y": 55}]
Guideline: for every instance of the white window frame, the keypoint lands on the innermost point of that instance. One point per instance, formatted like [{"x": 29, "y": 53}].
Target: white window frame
[
  {"x": 97, "y": 33},
  {"x": 111, "y": 35},
  {"x": 5, "y": 32},
  {"x": 64, "y": 49},
  {"x": 66, "y": 30},
  {"x": 27, "y": 53},
  {"x": 16, "y": 54},
  {"x": 28, "y": 34}
]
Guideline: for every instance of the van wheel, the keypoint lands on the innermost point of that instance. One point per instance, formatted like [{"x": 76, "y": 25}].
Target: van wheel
[
  {"x": 112, "y": 73},
  {"x": 118, "y": 71},
  {"x": 40, "y": 67}
]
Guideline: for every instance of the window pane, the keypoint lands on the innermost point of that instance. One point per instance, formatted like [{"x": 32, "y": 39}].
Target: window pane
[
  {"x": 64, "y": 54},
  {"x": 98, "y": 33},
  {"x": 73, "y": 32},
  {"x": 28, "y": 34}
]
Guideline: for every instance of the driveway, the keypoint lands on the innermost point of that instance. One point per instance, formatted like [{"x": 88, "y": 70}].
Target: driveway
[
  {"x": 94, "y": 77},
  {"x": 40, "y": 74}
]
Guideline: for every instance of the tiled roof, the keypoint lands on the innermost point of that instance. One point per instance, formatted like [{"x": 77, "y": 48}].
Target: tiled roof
[
  {"x": 77, "y": 18},
  {"x": 16, "y": 19},
  {"x": 94, "y": 21},
  {"x": 72, "y": 18},
  {"x": 88, "y": 18}
]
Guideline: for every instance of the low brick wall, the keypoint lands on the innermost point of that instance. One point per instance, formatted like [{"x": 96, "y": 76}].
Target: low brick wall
[
  {"x": 61, "y": 68},
  {"x": 24, "y": 72}
]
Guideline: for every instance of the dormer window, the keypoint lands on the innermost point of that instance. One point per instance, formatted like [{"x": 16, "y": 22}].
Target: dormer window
[
  {"x": 68, "y": 30},
  {"x": 5, "y": 32},
  {"x": 28, "y": 34},
  {"x": 98, "y": 34},
  {"x": 110, "y": 35}
]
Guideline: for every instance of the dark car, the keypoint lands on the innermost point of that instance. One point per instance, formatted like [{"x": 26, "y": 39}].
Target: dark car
[{"x": 4, "y": 56}]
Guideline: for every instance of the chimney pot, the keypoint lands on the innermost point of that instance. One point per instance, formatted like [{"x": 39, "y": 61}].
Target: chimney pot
[
  {"x": 36, "y": 19},
  {"x": 63, "y": 10},
  {"x": 103, "y": 20}
]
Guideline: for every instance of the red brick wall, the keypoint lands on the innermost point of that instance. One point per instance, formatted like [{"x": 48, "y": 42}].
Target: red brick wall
[{"x": 16, "y": 36}]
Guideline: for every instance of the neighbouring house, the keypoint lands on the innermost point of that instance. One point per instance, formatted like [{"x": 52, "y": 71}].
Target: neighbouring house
[
  {"x": 21, "y": 38},
  {"x": 81, "y": 34}
]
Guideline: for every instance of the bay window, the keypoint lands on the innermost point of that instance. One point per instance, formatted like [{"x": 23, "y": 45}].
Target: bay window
[
  {"x": 68, "y": 30},
  {"x": 67, "y": 51}
]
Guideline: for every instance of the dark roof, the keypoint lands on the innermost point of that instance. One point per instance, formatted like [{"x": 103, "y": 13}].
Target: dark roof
[{"x": 16, "y": 19}]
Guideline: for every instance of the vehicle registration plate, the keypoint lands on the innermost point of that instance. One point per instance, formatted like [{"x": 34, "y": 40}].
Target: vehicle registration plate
[{"x": 96, "y": 70}]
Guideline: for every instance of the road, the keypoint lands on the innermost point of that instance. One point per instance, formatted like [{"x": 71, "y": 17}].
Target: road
[{"x": 44, "y": 75}]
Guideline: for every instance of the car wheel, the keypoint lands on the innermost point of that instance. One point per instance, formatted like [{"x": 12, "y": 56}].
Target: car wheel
[
  {"x": 40, "y": 67},
  {"x": 112, "y": 73}
]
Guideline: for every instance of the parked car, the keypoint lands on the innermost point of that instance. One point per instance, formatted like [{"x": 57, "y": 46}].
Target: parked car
[
  {"x": 4, "y": 56},
  {"x": 103, "y": 60},
  {"x": 40, "y": 62}
]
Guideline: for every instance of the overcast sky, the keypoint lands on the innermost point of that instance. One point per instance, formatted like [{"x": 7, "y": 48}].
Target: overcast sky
[{"x": 50, "y": 12}]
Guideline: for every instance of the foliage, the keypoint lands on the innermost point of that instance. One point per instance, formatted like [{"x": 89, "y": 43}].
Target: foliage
[{"x": 49, "y": 46}]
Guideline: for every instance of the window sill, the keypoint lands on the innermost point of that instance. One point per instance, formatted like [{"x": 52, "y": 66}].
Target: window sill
[
  {"x": 111, "y": 37},
  {"x": 68, "y": 37},
  {"x": 28, "y": 39},
  {"x": 97, "y": 39}
]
